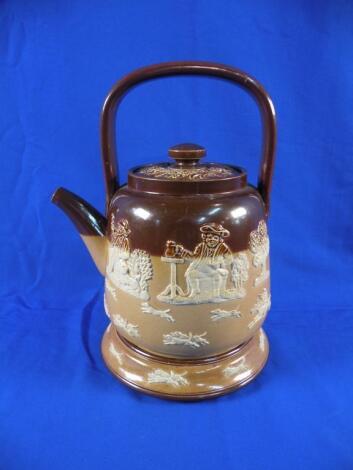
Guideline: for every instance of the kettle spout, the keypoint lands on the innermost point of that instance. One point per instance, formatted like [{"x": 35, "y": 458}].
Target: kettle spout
[{"x": 88, "y": 221}]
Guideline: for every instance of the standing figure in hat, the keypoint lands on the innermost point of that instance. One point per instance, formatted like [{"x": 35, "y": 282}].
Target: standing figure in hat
[{"x": 207, "y": 275}]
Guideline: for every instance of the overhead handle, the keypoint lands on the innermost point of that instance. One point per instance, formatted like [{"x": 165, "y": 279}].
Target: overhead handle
[{"x": 108, "y": 138}]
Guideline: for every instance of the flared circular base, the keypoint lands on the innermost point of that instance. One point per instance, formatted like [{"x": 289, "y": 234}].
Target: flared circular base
[{"x": 178, "y": 379}]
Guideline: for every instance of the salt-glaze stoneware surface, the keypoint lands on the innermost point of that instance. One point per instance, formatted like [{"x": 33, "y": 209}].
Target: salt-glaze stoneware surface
[{"x": 184, "y": 249}]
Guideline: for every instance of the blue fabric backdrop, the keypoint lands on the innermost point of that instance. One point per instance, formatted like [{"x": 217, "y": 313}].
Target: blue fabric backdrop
[{"x": 59, "y": 407}]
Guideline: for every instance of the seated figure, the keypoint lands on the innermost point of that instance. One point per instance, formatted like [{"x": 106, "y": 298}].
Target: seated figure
[{"x": 207, "y": 275}]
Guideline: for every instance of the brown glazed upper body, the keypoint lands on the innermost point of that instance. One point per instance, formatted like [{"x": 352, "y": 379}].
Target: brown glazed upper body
[
  {"x": 171, "y": 201},
  {"x": 155, "y": 218}
]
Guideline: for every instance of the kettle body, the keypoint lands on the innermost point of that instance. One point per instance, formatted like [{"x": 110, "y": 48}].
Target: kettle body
[{"x": 184, "y": 249}]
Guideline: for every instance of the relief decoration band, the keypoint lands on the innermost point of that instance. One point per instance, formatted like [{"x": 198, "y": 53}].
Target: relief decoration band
[{"x": 190, "y": 174}]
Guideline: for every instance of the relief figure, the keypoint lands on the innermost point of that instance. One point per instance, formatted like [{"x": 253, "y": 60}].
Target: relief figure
[
  {"x": 128, "y": 270},
  {"x": 209, "y": 271},
  {"x": 260, "y": 247}
]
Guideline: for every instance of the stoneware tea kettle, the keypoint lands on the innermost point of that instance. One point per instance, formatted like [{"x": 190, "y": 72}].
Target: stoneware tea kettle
[{"x": 185, "y": 255}]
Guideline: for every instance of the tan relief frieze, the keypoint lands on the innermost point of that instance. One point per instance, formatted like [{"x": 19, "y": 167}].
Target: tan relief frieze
[{"x": 208, "y": 273}]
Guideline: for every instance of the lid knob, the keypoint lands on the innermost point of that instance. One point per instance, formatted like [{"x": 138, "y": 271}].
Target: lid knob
[{"x": 186, "y": 154}]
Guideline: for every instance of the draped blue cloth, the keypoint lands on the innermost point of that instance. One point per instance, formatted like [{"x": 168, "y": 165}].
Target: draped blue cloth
[{"x": 59, "y": 406}]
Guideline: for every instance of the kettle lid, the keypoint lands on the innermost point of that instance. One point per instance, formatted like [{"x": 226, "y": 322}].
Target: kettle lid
[{"x": 186, "y": 175}]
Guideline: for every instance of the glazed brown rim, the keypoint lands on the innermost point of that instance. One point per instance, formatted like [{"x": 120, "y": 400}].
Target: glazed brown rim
[{"x": 180, "y": 361}]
